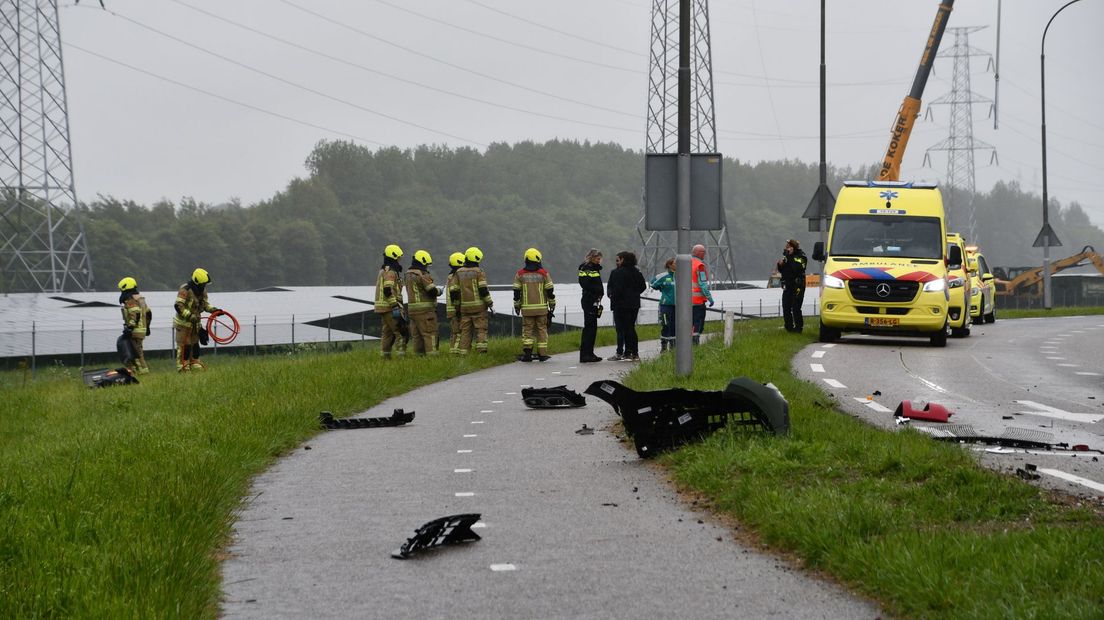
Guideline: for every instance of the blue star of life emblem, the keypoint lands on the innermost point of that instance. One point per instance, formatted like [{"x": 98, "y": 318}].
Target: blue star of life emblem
[{"x": 888, "y": 194}]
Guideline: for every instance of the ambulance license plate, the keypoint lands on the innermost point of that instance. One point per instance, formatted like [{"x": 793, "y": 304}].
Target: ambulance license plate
[{"x": 877, "y": 321}]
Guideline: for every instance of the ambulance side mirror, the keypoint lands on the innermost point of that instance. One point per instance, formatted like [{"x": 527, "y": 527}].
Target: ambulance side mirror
[
  {"x": 954, "y": 257},
  {"x": 818, "y": 251}
]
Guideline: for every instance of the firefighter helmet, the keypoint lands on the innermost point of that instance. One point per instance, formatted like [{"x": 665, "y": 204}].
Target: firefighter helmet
[
  {"x": 456, "y": 259},
  {"x": 423, "y": 257},
  {"x": 533, "y": 255},
  {"x": 392, "y": 251},
  {"x": 473, "y": 255},
  {"x": 128, "y": 284},
  {"x": 200, "y": 276}
]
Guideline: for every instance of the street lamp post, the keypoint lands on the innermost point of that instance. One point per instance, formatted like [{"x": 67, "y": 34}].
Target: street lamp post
[{"x": 1046, "y": 234}]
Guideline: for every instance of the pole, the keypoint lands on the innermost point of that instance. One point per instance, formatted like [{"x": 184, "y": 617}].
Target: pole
[
  {"x": 34, "y": 343},
  {"x": 82, "y": 345},
  {"x": 293, "y": 333},
  {"x": 1046, "y": 219},
  {"x": 821, "y": 198},
  {"x": 254, "y": 334},
  {"x": 684, "y": 355}
]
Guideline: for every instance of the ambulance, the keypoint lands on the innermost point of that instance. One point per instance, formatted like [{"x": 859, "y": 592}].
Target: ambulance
[{"x": 886, "y": 263}]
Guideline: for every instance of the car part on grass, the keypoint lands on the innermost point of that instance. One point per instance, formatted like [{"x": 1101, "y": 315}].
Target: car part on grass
[
  {"x": 558, "y": 397},
  {"x": 663, "y": 419},
  {"x": 451, "y": 530},
  {"x": 398, "y": 418},
  {"x": 105, "y": 377},
  {"x": 931, "y": 412}
]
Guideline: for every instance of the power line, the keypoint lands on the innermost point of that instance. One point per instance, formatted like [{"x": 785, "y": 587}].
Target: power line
[
  {"x": 556, "y": 30},
  {"x": 397, "y": 77},
  {"x": 223, "y": 98},
  {"x": 296, "y": 84},
  {"x": 486, "y": 76},
  {"x": 770, "y": 95}
]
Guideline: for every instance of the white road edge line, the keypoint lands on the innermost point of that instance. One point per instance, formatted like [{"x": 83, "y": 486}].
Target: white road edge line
[
  {"x": 463, "y": 451},
  {"x": 827, "y": 346},
  {"x": 817, "y": 367},
  {"x": 1053, "y": 412},
  {"x": 872, "y": 404},
  {"x": 834, "y": 383},
  {"x": 502, "y": 567},
  {"x": 1085, "y": 482},
  {"x": 819, "y": 354},
  {"x": 471, "y": 435},
  {"x": 464, "y": 494},
  {"x": 461, "y": 471}
]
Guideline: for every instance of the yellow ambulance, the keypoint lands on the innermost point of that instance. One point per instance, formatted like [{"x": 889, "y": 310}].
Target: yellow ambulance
[{"x": 885, "y": 265}]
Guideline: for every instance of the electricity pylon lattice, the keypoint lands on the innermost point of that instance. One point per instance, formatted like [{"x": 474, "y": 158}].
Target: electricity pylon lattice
[
  {"x": 662, "y": 129},
  {"x": 960, "y": 185},
  {"x": 42, "y": 242}
]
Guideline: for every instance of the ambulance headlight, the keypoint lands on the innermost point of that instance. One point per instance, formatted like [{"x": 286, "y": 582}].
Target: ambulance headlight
[
  {"x": 832, "y": 282},
  {"x": 935, "y": 286}
]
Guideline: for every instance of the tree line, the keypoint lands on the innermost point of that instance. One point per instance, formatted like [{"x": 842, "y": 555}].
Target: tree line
[{"x": 330, "y": 226}]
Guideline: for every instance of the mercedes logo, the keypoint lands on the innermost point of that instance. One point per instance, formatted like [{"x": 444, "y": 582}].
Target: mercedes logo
[{"x": 882, "y": 290}]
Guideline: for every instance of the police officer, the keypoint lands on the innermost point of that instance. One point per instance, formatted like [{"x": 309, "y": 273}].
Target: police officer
[
  {"x": 452, "y": 311},
  {"x": 389, "y": 302},
  {"x": 590, "y": 281},
  {"x": 191, "y": 302},
  {"x": 421, "y": 305},
  {"x": 535, "y": 301},
  {"x": 136, "y": 320},
  {"x": 791, "y": 268},
  {"x": 470, "y": 292}
]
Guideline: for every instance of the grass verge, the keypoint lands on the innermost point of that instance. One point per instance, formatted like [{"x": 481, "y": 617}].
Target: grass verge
[
  {"x": 913, "y": 523},
  {"x": 117, "y": 502}
]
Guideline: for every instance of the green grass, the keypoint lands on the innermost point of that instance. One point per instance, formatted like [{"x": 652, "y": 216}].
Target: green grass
[
  {"x": 117, "y": 502},
  {"x": 910, "y": 522},
  {"x": 1009, "y": 313}
]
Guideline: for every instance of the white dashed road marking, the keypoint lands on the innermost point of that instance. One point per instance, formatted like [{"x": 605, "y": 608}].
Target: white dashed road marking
[
  {"x": 461, "y": 471},
  {"x": 1069, "y": 365},
  {"x": 827, "y": 346},
  {"x": 477, "y": 421},
  {"x": 1053, "y": 412},
  {"x": 463, "y": 451},
  {"x": 471, "y": 435},
  {"x": 818, "y": 354},
  {"x": 486, "y": 411},
  {"x": 1088, "y": 374},
  {"x": 502, "y": 567},
  {"x": 817, "y": 367},
  {"x": 465, "y": 494},
  {"x": 496, "y": 402},
  {"x": 834, "y": 383},
  {"x": 873, "y": 405},
  {"x": 1057, "y": 473},
  {"x": 1056, "y": 358}
]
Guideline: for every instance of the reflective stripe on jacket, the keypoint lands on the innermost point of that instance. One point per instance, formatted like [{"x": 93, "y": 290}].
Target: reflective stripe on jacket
[
  {"x": 533, "y": 291},
  {"x": 471, "y": 282},
  {"x": 421, "y": 294},
  {"x": 388, "y": 290},
  {"x": 136, "y": 315},
  {"x": 700, "y": 274},
  {"x": 189, "y": 305}
]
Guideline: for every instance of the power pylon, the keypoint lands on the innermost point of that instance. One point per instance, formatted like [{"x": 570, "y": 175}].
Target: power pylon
[
  {"x": 960, "y": 185},
  {"x": 42, "y": 242},
  {"x": 662, "y": 129}
]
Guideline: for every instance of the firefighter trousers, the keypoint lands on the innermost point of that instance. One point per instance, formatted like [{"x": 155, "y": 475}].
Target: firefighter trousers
[
  {"x": 534, "y": 330},
  {"x": 423, "y": 332},
  {"x": 473, "y": 325}
]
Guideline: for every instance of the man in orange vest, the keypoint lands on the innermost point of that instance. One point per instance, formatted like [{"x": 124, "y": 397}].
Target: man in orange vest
[{"x": 699, "y": 294}]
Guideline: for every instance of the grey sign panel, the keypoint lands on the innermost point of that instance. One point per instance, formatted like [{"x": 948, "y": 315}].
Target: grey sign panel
[{"x": 661, "y": 191}]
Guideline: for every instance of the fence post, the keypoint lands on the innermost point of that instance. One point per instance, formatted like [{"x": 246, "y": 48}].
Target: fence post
[
  {"x": 254, "y": 334},
  {"x": 293, "y": 333},
  {"x": 82, "y": 345},
  {"x": 329, "y": 316},
  {"x": 362, "y": 326},
  {"x": 728, "y": 328},
  {"x": 34, "y": 334}
]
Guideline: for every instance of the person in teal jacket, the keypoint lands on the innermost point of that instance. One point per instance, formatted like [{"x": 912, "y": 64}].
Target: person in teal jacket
[{"x": 665, "y": 284}]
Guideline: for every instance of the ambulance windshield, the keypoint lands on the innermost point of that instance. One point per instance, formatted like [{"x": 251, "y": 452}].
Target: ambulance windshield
[{"x": 887, "y": 235}]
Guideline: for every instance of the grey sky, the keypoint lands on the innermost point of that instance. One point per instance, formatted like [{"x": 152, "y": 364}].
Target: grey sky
[{"x": 139, "y": 137}]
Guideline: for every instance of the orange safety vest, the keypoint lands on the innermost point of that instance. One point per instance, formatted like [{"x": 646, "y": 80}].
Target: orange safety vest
[{"x": 697, "y": 267}]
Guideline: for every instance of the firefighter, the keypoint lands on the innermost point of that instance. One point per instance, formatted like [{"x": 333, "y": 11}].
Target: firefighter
[
  {"x": 191, "y": 302},
  {"x": 470, "y": 292},
  {"x": 535, "y": 301},
  {"x": 136, "y": 320},
  {"x": 452, "y": 311},
  {"x": 389, "y": 302},
  {"x": 421, "y": 304},
  {"x": 791, "y": 268}
]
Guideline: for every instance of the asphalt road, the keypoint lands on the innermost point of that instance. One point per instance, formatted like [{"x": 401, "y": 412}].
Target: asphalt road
[
  {"x": 1041, "y": 378},
  {"x": 573, "y": 526}
]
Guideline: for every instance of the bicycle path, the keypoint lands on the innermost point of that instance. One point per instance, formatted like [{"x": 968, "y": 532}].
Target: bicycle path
[{"x": 573, "y": 526}]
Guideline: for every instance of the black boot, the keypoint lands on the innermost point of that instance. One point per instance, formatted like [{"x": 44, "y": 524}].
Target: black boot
[{"x": 526, "y": 355}]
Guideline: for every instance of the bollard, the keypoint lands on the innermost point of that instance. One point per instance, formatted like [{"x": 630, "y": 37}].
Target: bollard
[
  {"x": 293, "y": 333},
  {"x": 82, "y": 345},
  {"x": 729, "y": 317},
  {"x": 254, "y": 334}
]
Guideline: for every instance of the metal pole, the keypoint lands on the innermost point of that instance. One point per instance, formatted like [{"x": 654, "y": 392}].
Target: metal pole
[
  {"x": 1046, "y": 221},
  {"x": 823, "y": 134},
  {"x": 33, "y": 348},
  {"x": 293, "y": 332},
  {"x": 329, "y": 317},
  {"x": 254, "y": 334},
  {"x": 684, "y": 354},
  {"x": 82, "y": 345}
]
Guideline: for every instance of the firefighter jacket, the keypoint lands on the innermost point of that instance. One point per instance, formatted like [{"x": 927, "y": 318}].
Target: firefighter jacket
[
  {"x": 699, "y": 294},
  {"x": 191, "y": 302},
  {"x": 389, "y": 287},
  {"x": 590, "y": 280},
  {"x": 136, "y": 314},
  {"x": 470, "y": 289},
  {"x": 792, "y": 269},
  {"x": 421, "y": 293},
  {"x": 533, "y": 291},
  {"x": 450, "y": 307},
  {"x": 626, "y": 283}
]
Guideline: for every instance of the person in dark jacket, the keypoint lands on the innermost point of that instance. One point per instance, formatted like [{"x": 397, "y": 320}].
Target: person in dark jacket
[
  {"x": 792, "y": 269},
  {"x": 626, "y": 283},
  {"x": 590, "y": 280}
]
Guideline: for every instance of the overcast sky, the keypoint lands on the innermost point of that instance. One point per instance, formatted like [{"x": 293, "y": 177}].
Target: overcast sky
[{"x": 192, "y": 112}]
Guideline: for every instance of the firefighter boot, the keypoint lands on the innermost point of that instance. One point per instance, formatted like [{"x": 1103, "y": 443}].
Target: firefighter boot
[{"x": 526, "y": 355}]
